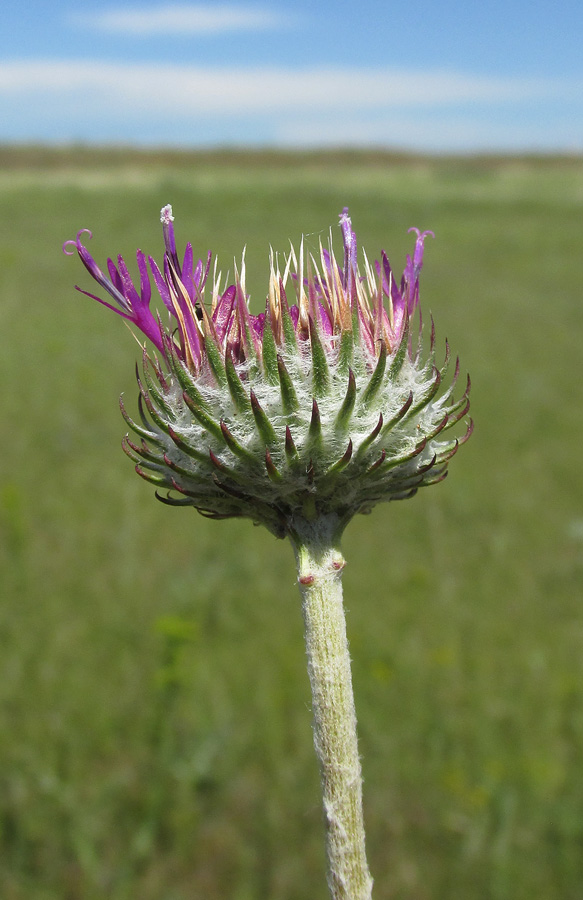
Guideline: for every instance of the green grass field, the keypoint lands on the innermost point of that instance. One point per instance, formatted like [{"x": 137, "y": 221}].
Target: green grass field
[{"x": 155, "y": 737}]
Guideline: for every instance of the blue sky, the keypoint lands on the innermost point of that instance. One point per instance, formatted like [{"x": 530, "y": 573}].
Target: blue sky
[{"x": 425, "y": 75}]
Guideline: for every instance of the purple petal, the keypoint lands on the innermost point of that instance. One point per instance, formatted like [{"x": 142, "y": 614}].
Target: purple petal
[
  {"x": 114, "y": 309},
  {"x": 162, "y": 286},
  {"x": 243, "y": 317},
  {"x": 418, "y": 254},
  {"x": 128, "y": 286},
  {"x": 192, "y": 336},
  {"x": 390, "y": 280},
  {"x": 186, "y": 277},
  {"x": 96, "y": 273},
  {"x": 410, "y": 282},
  {"x": 145, "y": 287},
  {"x": 366, "y": 334},
  {"x": 325, "y": 320},
  {"x": 167, "y": 219},
  {"x": 258, "y": 324},
  {"x": 350, "y": 248},
  {"x": 223, "y": 313}
]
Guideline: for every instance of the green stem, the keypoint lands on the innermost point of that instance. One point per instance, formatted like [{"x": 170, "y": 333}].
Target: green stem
[{"x": 320, "y": 564}]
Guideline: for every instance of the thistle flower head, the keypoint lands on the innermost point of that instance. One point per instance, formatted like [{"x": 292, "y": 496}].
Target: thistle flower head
[{"x": 323, "y": 405}]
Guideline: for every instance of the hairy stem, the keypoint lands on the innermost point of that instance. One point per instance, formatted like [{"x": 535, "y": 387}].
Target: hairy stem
[{"x": 320, "y": 564}]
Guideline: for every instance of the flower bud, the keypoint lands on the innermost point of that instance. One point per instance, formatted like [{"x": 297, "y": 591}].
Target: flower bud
[{"x": 323, "y": 405}]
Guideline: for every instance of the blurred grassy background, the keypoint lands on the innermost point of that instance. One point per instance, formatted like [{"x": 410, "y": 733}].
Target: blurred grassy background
[{"x": 154, "y": 705}]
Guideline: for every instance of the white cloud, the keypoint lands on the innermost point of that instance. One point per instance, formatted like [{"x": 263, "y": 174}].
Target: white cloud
[
  {"x": 182, "y": 20},
  {"x": 309, "y": 106},
  {"x": 168, "y": 89}
]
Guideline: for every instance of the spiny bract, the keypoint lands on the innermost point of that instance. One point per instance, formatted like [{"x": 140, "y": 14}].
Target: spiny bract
[{"x": 324, "y": 406}]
